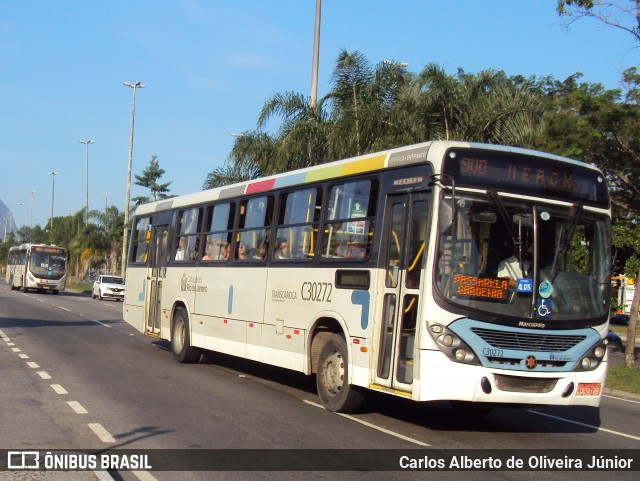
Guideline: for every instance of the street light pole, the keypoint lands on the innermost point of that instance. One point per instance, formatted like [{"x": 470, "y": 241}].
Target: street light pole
[
  {"x": 128, "y": 195},
  {"x": 20, "y": 204},
  {"x": 53, "y": 189},
  {"x": 31, "y": 192},
  {"x": 86, "y": 214},
  {"x": 316, "y": 54},
  {"x": 106, "y": 200}
]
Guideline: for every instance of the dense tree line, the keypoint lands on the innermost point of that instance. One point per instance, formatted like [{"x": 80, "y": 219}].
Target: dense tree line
[
  {"x": 96, "y": 245},
  {"x": 371, "y": 108},
  {"x": 375, "y": 107}
]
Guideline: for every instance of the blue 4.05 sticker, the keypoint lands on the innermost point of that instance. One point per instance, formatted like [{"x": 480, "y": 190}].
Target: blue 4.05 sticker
[
  {"x": 524, "y": 285},
  {"x": 544, "y": 308}
]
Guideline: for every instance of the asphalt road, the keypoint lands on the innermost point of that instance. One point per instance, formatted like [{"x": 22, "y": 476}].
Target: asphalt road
[{"x": 74, "y": 376}]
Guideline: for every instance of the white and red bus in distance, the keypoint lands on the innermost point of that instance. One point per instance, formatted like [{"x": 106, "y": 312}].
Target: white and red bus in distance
[
  {"x": 39, "y": 267},
  {"x": 385, "y": 272}
]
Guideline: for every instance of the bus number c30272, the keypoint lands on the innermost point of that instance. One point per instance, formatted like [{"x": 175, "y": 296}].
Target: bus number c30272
[{"x": 316, "y": 291}]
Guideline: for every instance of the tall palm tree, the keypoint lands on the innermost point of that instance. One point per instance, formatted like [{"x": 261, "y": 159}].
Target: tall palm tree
[
  {"x": 363, "y": 98},
  {"x": 304, "y": 137},
  {"x": 485, "y": 107}
]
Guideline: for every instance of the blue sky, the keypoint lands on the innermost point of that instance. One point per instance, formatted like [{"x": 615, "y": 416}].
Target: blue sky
[{"x": 209, "y": 66}]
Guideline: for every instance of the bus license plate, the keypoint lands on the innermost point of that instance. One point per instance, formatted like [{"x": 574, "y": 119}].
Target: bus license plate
[{"x": 589, "y": 389}]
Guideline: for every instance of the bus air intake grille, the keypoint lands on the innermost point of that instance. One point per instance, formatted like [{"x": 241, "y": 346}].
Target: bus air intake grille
[
  {"x": 527, "y": 342},
  {"x": 524, "y": 384}
]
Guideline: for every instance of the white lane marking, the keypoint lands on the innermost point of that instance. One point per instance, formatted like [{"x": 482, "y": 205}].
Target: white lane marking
[
  {"x": 33, "y": 365},
  {"x": 101, "y": 323},
  {"x": 10, "y": 343},
  {"x": 23, "y": 356},
  {"x": 621, "y": 399},
  {"x": 16, "y": 349},
  {"x": 77, "y": 407},
  {"x": 63, "y": 308},
  {"x": 59, "y": 389},
  {"x": 44, "y": 374},
  {"x": 597, "y": 428},
  {"x": 144, "y": 475},
  {"x": 101, "y": 432},
  {"x": 40, "y": 300},
  {"x": 373, "y": 426}
]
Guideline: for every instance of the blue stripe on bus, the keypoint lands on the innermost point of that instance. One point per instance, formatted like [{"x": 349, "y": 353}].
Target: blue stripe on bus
[{"x": 362, "y": 298}]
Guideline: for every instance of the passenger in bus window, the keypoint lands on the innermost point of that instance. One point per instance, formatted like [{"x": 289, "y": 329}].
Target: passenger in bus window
[
  {"x": 242, "y": 251},
  {"x": 511, "y": 267},
  {"x": 193, "y": 254},
  {"x": 350, "y": 251},
  {"x": 181, "y": 253},
  {"x": 226, "y": 252},
  {"x": 282, "y": 250},
  {"x": 208, "y": 248},
  {"x": 261, "y": 252}
]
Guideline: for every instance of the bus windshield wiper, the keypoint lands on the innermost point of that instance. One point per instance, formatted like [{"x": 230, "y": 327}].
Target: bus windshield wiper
[
  {"x": 564, "y": 241},
  {"x": 515, "y": 238}
]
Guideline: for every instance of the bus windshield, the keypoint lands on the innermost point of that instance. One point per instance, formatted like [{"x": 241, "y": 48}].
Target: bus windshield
[
  {"x": 48, "y": 262},
  {"x": 518, "y": 258}
]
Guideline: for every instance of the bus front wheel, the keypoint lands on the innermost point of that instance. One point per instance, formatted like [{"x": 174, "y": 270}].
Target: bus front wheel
[
  {"x": 180, "y": 342},
  {"x": 332, "y": 378}
]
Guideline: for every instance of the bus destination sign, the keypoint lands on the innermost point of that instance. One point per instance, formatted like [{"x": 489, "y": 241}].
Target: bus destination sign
[
  {"x": 493, "y": 288},
  {"x": 523, "y": 174}
]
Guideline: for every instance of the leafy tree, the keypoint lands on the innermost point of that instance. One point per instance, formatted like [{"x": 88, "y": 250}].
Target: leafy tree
[
  {"x": 617, "y": 149},
  {"x": 110, "y": 225},
  {"x": 150, "y": 177},
  {"x": 624, "y": 15}
]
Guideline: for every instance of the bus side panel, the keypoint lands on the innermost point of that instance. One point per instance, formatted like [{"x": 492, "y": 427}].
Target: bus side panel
[
  {"x": 283, "y": 346},
  {"x": 230, "y": 302},
  {"x": 220, "y": 334},
  {"x": 296, "y": 298}
]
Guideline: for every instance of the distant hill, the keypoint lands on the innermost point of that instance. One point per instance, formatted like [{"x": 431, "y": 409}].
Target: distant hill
[{"x": 4, "y": 210}]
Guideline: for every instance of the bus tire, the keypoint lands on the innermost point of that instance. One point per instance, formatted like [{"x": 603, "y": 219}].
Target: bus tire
[
  {"x": 332, "y": 378},
  {"x": 180, "y": 342}
]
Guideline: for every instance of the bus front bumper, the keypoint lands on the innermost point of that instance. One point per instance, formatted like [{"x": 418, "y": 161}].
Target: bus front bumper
[{"x": 443, "y": 379}]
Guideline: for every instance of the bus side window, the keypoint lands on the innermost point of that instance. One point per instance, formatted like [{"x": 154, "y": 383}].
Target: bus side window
[
  {"x": 298, "y": 218},
  {"x": 218, "y": 231},
  {"x": 140, "y": 242},
  {"x": 349, "y": 220},
  {"x": 255, "y": 218},
  {"x": 187, "y": 239}
]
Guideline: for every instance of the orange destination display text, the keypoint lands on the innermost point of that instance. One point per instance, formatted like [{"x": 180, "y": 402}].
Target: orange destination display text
[{"x": 485, "y": 287}]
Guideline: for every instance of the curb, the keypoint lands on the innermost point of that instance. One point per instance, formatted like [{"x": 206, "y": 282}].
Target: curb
[{"x": 622, "y": 394}]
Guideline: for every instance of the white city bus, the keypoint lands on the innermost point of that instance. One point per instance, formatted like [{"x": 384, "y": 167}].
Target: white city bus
[
  {"x": 382, "y": 272},
  {"x": 40, "y": 267}
]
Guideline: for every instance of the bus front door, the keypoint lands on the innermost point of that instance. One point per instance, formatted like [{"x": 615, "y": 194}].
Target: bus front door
[
  {"x": 155, "y": 276},
  {"x": 403, "y": 247}
]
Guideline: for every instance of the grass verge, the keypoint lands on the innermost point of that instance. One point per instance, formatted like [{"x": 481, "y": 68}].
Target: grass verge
[{"x": 623, "y": 379}]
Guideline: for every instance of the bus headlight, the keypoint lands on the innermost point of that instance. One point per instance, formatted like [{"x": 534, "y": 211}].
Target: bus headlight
[
  {"x": 592, "y": 358},
  {"x": 452, "y": 346}
]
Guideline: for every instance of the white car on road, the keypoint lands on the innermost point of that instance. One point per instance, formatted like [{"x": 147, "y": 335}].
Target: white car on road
[{"x": 110, "y": 287}]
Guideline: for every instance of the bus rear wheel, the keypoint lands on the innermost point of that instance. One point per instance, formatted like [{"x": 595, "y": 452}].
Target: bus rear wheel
[
  {"x": 332, "y": 378},
  {"x": 180, "y": 342}
]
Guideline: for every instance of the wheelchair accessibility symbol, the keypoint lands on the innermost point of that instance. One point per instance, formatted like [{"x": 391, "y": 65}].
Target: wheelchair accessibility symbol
[{"x": 543, "y": 308}]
